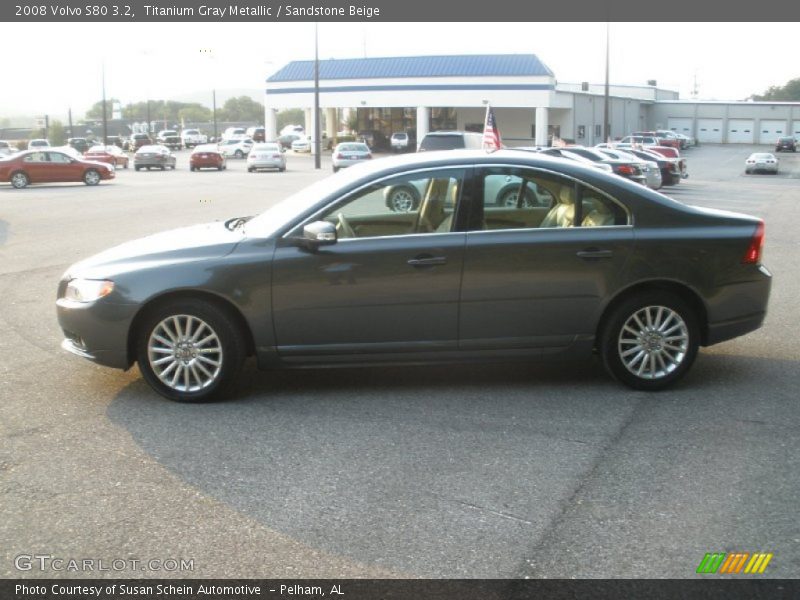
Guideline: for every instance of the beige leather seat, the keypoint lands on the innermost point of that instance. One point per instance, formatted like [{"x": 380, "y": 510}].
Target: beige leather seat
[
  {"x": 563, "y": 213},
  {"x": 596, "y": 214}
]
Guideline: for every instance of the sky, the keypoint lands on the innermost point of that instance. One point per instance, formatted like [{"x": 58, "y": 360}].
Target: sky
[{"x": 171, "y": 60}]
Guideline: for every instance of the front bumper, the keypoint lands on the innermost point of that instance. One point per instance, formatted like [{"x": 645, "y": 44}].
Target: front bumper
[{"x": 97, "y": 331}]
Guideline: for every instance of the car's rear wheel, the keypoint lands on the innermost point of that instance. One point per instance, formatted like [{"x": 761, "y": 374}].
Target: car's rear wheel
[
  {"x": 650, "y": 340},
  {"x": 91, "y": 177},
  {"x": 19, "y": 180},
  {"x": 190, "y": 350}
]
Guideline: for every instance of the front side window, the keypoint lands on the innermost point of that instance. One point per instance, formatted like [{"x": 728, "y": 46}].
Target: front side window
[
  {"x": 515, "y": 198},
  {"x": 419, "y": 203}
]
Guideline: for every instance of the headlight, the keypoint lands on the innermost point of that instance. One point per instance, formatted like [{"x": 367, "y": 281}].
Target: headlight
[{"x": 88, "y": 290}]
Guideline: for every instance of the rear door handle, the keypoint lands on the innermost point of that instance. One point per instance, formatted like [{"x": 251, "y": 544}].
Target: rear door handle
[
  {"x": 594, "y": 253},
  {"x": 427, "y": 261}
]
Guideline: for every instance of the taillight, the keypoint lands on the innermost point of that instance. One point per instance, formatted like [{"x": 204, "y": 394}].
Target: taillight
[
  {"x": 625, "y": 170},
  {"x": 753, "y": 254}
]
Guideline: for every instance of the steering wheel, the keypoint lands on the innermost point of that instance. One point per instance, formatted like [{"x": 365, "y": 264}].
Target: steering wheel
[{"x": 345, "y": 229}]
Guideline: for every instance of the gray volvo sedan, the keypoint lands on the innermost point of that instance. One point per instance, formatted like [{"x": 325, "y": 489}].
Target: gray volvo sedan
[{"x": 334, "y": 276}]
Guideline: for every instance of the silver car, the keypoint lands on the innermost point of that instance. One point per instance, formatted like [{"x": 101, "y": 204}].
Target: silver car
[
  {"x": 266, "y": 156},
  {"x": 347, "y": 154},
  {"x": 652, "y": 173},
  {"x": 763, "y": 162}
]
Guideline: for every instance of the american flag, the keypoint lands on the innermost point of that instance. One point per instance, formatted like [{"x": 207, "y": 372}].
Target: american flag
[{"x": 491, "y": 136}]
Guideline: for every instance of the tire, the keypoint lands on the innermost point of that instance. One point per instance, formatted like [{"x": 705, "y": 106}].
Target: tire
[
  {"x": 509, "y": 197},
  {"x": 282, "y": 169},
  {"x": 163, "y": 168},
  {"x": 402, "y": 198},
  {"x": 191, "y": 372},
  {"x": 335, "y": 169},
  {"x": 635, "y": 350},
  {"x": 250, "y": 170},
  {"x": 239, "y": 154},
  {"x": 91, "y": 177},
  {"x": 19, "y": 180},
  {"x": 135, "y": 168},
  {"x": 125, "y": 165},
  {"x": 220, "y": 168}
]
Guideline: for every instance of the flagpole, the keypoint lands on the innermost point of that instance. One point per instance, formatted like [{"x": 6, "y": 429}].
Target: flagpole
[{"x": 606, "y": 123}]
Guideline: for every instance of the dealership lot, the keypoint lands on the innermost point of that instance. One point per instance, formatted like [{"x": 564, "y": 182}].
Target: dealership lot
[{"x": 507, "y": 470}]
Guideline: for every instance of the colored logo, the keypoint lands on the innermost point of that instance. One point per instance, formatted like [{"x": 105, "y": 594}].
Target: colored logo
[{"x": 734, "y": 562}]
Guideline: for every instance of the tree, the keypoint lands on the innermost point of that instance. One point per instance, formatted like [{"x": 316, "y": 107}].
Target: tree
[
  {"x": 96, "y": 111},
  {"x": 195, "y": 114},
  {"x": 242, "y": 108},
  {"x": 58, "y": 135},
  {"x": 291, "y": 116},
  {"x": 786, "y": 93}
]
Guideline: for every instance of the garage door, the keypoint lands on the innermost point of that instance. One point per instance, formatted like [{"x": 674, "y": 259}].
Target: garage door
[
  {"x": 680, "y": 125},
  {"x": 795, "y": 129},
  {"x": 709, "y": 131},
  {"x": 741, "y": 131},
  {"x": 769, "y": 130}
]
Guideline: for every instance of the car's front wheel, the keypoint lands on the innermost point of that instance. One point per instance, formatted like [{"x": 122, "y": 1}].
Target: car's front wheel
[
  {"x": 190, "y": 350},
  {"x": 239, "y": 154},
  {"x": 650, "y": 340},
  {"x": 91, "y": 177},
  {"x": 19, "y": 180}
]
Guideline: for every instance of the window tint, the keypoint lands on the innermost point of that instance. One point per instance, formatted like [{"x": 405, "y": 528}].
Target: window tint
[
  {"x": 411, "y": 204},
  {"x": 35, "y": 157},
  {"x": 57, "y": 157}
]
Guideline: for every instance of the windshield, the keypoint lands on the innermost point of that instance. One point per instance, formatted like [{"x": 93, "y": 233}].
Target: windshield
[{"x": 276, "y": 217}]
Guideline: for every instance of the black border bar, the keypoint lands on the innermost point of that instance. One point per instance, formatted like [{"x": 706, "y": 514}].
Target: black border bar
[{"x": 393, "y": 589}]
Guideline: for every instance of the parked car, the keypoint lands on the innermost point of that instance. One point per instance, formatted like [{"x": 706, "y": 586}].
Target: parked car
[
  {"x": 640, "y": 140},
  {"x": 347, "y": 154},
  {"x": 257, "y": 134},
  {"x": 193, "y": 137},
  {"x": 649, "y": 167},
  {"x": 234, "y": 133},
  {"x": 170, "y": 139},
  {"x": 293, "y": 129},
  {"x": 138, "y": 140},
  {"x": 787, "y": 143},
  {"x": 51, "y": 166},
  {"x": 686, "y": 140},
  {"x": 302, "y": 144},
  {"x": 116, "y": 140},
  {"x": 267, "y": 155},
  {"x": 38, "y": 143},
  {"x": 451, "y": 140},
  {"x": 672, "y": 153},
  {"x": 286, "y": 140},
  {"x": 626, "y": 168},
  {"x": 403, "y": 141},
  {"x": 668, "y": 134},
  {"x": 636, "y": 280},
  {"x": 207, "y": 156},
  {"x": 662, "y": 138},
  {"x": 670, "y": 167},
  {"x": 761, "y": 162},
  {"x": 154, "y": 157},
  {"x": 80, "y": 144},
  {"x": 373, "y": 138},
  {"x": 112, "y": 155},
  {"x": 237, "y": 147},
  {"x": 7, "y": 148}
]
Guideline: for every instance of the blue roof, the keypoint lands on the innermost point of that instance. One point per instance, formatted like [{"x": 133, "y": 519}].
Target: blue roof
[{"x": 473, "y": 65}]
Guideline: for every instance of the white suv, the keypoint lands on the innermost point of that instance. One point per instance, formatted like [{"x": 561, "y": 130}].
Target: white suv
[{"x": 193, "y": 137}]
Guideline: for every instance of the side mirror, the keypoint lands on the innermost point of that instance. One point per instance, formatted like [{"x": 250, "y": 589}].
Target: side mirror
[{"x": 320, "y": 233}]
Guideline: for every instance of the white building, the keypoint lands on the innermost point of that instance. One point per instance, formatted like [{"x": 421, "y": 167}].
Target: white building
[{"x": 429, "y": 93}]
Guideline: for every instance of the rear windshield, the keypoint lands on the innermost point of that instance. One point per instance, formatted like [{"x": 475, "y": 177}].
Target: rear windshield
[
  {"x": 353, "y": 148},
  {"x": 442, "y": 142}
]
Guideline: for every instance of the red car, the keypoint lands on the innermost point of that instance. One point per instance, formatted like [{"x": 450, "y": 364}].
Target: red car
[
  {"x": 663, "y": 138},
  {"x": 112, "y": 155},
  {"x": 207, "y": 156},
  {"x": 49, "y": 166}
]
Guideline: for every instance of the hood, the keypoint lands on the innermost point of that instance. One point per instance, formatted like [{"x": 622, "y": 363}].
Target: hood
[{"x": 188, "y": 244}]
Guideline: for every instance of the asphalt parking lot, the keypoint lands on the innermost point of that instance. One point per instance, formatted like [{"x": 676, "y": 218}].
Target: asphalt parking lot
[{"x": 502, "y": 470}]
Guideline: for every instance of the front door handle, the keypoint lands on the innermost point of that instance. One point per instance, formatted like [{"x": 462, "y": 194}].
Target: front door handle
[
  {"x": 594, "y": 253},
  {"x": 427, "y": 261}
]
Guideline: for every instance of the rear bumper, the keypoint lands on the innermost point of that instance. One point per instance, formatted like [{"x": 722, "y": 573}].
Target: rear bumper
[{"x": 740, "y": 308}]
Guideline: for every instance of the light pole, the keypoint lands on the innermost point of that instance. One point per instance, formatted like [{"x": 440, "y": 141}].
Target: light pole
[
  {"x": 317, "y": 157},
  {"x": 606, "y": 123},
  {"x": 105, "y": 109}
]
